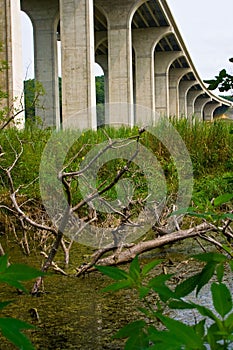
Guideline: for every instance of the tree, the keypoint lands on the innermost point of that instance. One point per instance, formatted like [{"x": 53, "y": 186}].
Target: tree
[
  {"x": 223, "y": 81},
  {"x": 99, "y": 81}
]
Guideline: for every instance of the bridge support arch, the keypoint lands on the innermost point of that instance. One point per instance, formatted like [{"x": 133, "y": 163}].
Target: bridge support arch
[
  {"x": 184, "y": 87},
  {"x": 199, "y": 105},
  {"x": 120, "y": 74},
  {"x": 44, "y": 19},
  {"x": 209, "y": 110},
  {"x": 175, "y": 75},
  {"x": 191, "y": 97},
  {"x": 163, "y": 61},
  {"x": 144, "y": 42}
]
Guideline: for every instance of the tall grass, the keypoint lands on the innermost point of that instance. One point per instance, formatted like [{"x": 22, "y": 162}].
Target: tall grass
[{"x": 210, "y": 146}]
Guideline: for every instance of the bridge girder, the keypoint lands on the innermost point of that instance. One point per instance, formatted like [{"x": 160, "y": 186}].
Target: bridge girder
[{"x": 136, "y": 42}]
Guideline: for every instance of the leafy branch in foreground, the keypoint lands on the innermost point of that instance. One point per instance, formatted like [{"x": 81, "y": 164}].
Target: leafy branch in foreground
[
  {"x": 223, "y": 81},
  {"x": 214, "y": 328},
  {"x": 14, "y": 275}
]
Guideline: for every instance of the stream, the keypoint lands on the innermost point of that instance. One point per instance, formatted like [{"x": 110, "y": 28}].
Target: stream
[{"x": 75, "y": 314}]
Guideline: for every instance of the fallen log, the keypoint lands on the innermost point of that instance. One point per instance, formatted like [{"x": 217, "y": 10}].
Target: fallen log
[{"x": 126, "y": 254}]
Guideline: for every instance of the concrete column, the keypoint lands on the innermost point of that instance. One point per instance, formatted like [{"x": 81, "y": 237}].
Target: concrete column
[
  {"x": 199, "y": 105},
  {"x": 44, "y": 18},
  {"x": 163, "y": 60},
  {"x": 6, "y": 52},
  {"x": 119, "y": 60},
  {"x": 209, "y": 110},
  {"x": 11, "y": 79},
  {"x": 191, "y": 97},
  {"x": 184, "y": 87},
  {"x": 144, "y": 41},
  {"x": 78, "y": 80},
  {"x": 175, "y": 75}
]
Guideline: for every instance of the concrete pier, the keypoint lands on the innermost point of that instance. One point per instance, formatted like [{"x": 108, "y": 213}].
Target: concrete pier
[{"x": 136, "y": 42}]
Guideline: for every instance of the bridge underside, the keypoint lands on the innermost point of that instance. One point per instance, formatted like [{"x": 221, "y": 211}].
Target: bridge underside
[{"x": 138, "y": 46}]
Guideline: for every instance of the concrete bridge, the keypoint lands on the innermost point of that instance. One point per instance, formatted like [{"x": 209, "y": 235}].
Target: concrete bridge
[{"x": 136, "y": 42}]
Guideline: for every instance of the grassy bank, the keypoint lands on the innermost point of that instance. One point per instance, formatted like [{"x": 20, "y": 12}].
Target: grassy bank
[{"x": 210, "y": 146}]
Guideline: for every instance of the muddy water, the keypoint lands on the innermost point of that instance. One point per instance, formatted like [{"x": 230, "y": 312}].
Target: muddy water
[{"x": 74, "y": 313}]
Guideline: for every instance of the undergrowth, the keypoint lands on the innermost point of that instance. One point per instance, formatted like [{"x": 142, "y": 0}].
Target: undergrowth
[{"x": 210, "y": 146}]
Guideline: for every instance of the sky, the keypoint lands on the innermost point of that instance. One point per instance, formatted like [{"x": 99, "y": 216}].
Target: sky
[{"x": 205, "y": 26}]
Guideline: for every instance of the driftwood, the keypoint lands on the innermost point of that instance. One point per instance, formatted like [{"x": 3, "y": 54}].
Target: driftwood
[{"x": 129, "y": 253}]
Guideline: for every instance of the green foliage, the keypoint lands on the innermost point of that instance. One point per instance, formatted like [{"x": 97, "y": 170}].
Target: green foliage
[
  {"x": 14, "y": 275},
  {"x": 210, "y": 147},
  {"x": 213, "y": 331},
  {"x": 33, "y": 89},
  {"x": 99, "y": 83},
  {"x": 12, "y": 329},
  {"x": 223, "y": 81}
]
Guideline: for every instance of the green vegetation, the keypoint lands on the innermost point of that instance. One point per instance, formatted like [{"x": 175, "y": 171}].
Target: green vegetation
[
  {"x": 13, "y": 275},
  {"x": 210, "y": 146},
  {"x": 99, "y": 81},
  {"x": 223, "y": 81},
  {"x": 211, "y": 329}
]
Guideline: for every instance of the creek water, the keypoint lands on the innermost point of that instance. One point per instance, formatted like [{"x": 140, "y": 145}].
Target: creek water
[{"x": 75, "y": 314}]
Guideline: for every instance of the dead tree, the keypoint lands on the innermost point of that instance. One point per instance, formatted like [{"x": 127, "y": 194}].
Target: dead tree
[{"x": 117, "y": 248}]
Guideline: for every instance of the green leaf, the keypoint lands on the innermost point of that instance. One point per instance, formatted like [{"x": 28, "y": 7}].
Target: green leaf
[
  {"x": 205, "y": 275},
  {"x": 182, "y": 211},
  {"x": 229, "y": 322},
  {"x": 129, "y": 329},
  {"x": 182, "y": 332},
  {"x": 213, "y": 336},
  {"x": 213, "y": 85},
  {"x": 148, "y": 267},
  {"x": 228, "y": 249},
  {"x": 134, "y": 269},
  {"x": 145, "y": 311},
  {"x": 228, "y": 216},
  {"x": 180, "y": 304},
  {"x": 158, "y": 285},
  {"x": 187, "y": 286},
  {"x": 13, "y": 283},
  {"x": 164, "y": 292},
  {"x": 223, "y": 73},
  {"x": 118, "y": 285},
  {"x": 164, "y": 340},
  {"x": 220, "y": 272},
  {"x": 204, "y": 311},
  {"x": 4, "y": 304},
  {"x": 3, "y": 263},
  {"x": 113, "y": 272},
  {"x": 143, "y": 291},
  {"x": 137, "y": 341},
  {"x": 159, "y": 280},
  {"x": 11, "y": 328},
  {"x": 224, "y": 198},
  {"x": 20, "y": 272},
  {"x": 211, "y": 81},
  {"x": 199, "y": 328},
  {"x": 222, "y": 299},
  {"x": 231, "y": 264},
  {"x": 211, "y": 257}
]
